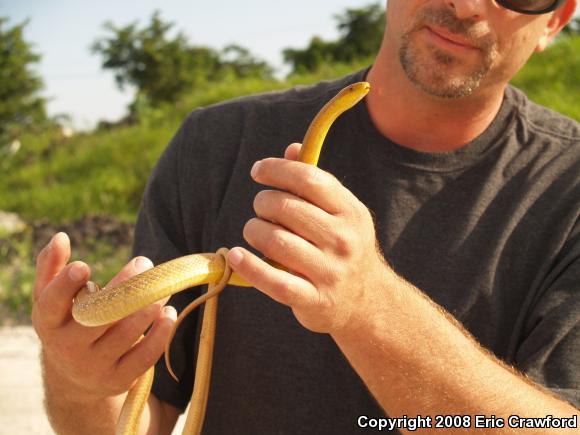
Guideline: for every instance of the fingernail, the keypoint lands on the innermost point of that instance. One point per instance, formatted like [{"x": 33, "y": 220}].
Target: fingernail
[
  {"x": 235, "y": 257},
  {"x": 77, "y": 272},
  {"x": 57, "y": 236},
  {"x": 142, "y": 264},
  {"x": 170, "y": 312},
  {"x": 255, "y": 168}
]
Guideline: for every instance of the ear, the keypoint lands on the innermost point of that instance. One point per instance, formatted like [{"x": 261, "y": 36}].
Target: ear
[{"x": 560, "y": 17}]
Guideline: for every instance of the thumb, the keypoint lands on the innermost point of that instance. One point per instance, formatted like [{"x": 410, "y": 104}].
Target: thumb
[{"x": 50, "y": 261}]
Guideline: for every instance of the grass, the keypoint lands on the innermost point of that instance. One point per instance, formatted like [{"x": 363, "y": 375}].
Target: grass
[
  {"x": 552, "y": 78},
  {"x": 105, "y": 172}
]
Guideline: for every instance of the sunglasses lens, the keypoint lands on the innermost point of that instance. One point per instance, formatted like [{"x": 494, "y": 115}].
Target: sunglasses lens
[{"x": 530, "y": 6}]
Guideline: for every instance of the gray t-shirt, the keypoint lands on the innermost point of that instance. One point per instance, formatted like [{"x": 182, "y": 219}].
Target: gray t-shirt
[{"x": 489, "y": 231}]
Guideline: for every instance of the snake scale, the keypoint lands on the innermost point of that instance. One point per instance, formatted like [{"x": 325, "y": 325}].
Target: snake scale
[{"x": 94, "y": 306}]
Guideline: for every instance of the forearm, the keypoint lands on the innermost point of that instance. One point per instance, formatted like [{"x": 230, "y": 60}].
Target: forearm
[{"x": 415, "y": 359}]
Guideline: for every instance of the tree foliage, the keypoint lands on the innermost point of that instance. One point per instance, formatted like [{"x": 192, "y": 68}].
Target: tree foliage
[
  {"x": 361, "y": 32},
  {"x": 20, "y": 103},
  {"x": 161, "y": 67}
]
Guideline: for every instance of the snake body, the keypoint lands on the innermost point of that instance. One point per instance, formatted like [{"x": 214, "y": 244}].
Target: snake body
[{"x": 94, "y": 306}]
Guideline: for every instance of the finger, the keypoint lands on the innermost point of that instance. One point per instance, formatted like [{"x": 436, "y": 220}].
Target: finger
[
  {"x": 126, "y": 332},
  {"x": 50, "y": 261},
  {"x": 282, "y": 286},
  {"x": 282, "y": 246},
  {"x": 148, "y": 350},
  {"x": 53, "y": 307},
  {"x": 306, "y": 181},
  {"x": 134, "y": 267},
  {"x": 292, "y": 151},
  {"x": 298, "y": 216}
]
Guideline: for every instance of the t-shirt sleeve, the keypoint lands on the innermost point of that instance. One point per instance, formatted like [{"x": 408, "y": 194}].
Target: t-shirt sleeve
[
  {"x": 161, "y": 236},
  {"x": 550, "y": 351}
]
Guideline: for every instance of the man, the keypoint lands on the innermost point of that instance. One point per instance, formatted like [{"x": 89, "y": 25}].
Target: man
[{"x": 474, "y": 192}]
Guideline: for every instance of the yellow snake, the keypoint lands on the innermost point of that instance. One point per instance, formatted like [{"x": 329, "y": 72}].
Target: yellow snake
[{"x": 94, "y": 306}]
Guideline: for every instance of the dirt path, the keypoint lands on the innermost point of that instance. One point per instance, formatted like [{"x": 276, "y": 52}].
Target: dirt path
[{"x": 21, "y": 409}]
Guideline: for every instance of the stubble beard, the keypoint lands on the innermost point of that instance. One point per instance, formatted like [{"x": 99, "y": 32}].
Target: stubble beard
[{"x": 432, "y": 75}]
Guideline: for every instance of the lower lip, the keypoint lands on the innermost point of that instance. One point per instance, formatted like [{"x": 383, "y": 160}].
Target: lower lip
[{"x": 447, "y": 43}]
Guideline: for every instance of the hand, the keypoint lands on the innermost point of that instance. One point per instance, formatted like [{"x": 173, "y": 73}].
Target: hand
[
  {"x": 91, "y": 363},
  {"x": 320, "y": 232}
]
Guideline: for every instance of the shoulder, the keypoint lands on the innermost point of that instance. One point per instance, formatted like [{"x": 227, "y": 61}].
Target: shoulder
[
  {"x": 274, "y": 104},
  {"x": 544, "y": 123}
]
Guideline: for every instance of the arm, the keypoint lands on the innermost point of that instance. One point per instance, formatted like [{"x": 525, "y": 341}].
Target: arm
[
  {"x": 414, "y": 358},
  {"x": 87, "y": 371},
  {"x": 412, "y": 370}
]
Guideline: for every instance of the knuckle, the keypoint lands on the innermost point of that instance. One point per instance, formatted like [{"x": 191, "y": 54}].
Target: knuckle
[
  {"x": 249, "y": 229},
  {"x": 283, "y": 205},
  {"x": 260, "y": 200},
  {"x": 344, "y": 244},
  {"x": 330, "y": 276},
  {"x": 357, "y": 209},
  {"x": 313, "y": 178},
  {"x": 278, "y": 241},
  {"x": 285, "y": 292}
]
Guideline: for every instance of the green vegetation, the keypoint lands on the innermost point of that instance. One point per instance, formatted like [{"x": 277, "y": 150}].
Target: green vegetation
[
  {"x": 552, "y": 78},
  {"x": 162, "y": 68},
  {"x": 61, "y": 181},
  {"x": 361, "y": 32},
  {"x": 20, "y": 105}
]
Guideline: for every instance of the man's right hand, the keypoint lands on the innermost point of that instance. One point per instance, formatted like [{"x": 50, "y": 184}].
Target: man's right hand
[{"x": 90, "y": 364}]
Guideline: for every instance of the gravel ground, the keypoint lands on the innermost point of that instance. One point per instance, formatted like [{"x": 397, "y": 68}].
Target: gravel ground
[{"x": 21, "y": 408}]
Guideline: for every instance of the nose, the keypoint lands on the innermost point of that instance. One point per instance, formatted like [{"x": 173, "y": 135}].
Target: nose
[{"x": 464, "y": 9}]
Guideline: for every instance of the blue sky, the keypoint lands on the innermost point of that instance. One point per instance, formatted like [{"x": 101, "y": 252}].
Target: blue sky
[{"x": 63, "y": 30}]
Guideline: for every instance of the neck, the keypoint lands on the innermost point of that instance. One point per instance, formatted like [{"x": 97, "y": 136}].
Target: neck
[{"x": 414, "y": 119}]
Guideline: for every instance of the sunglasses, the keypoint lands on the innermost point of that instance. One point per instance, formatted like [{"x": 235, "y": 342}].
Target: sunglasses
[{"x": 531, "y": 7}]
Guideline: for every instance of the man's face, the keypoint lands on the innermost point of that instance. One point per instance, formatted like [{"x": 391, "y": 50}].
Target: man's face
[{"x": 450, "y": 49}]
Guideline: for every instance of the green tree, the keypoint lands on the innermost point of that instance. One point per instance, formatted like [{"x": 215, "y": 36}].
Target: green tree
[
  {"x": 20, "y": 103},
  {"x": 238, "y": 62},
  {"x": 361, "y": 32},
  {"x": 318, "y": 53},
  {"x": 162, "y": 67}
]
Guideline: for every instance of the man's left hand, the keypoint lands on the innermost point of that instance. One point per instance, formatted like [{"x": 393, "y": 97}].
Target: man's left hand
[{"x": 322, "y": 234}]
